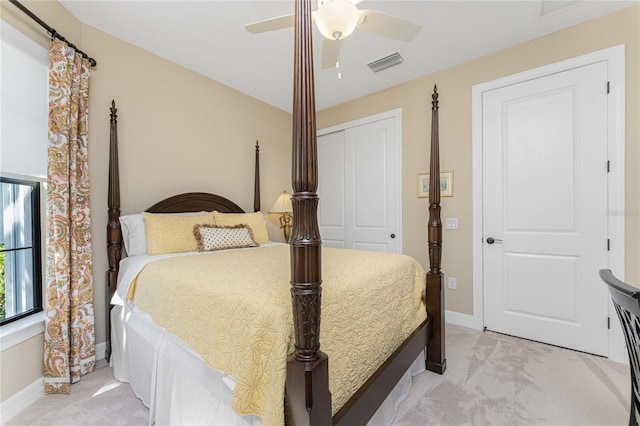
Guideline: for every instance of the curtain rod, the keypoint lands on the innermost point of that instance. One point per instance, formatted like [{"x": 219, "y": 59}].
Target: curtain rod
[{"x": 52, "y": 32}]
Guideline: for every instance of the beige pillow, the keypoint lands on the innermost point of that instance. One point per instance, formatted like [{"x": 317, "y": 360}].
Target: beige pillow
[
  {"x": 255, "y": 221},
  {"x": 211, "y": 237},
  {"x": 167, "y": 233}
]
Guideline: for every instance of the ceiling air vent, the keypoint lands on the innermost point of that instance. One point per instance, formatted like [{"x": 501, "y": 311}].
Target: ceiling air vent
[
  {"x": 386, "y": 62},
  {"x": 550, "y": 7}
]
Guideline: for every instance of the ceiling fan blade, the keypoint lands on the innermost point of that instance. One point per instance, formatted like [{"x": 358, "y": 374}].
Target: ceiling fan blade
[
  {"x": 388, "y": 26},
  {"x": 271, "y": 24},
  {"x": 330, "y": 53}
]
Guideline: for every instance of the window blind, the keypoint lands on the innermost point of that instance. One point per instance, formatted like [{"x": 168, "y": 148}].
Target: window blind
[{"x": 23, "y": 104}]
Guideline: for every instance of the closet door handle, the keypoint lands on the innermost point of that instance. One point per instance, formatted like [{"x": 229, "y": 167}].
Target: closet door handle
[
  {"x": 493, "y": 240},
  {"x": 393, "y": 236}
]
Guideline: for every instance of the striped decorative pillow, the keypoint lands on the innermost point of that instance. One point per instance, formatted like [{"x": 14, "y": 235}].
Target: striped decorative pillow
[{"x": 212, "y": 237}]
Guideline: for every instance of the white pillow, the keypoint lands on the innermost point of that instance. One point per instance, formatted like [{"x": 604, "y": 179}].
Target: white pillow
[{"x": 134, "y": 236}]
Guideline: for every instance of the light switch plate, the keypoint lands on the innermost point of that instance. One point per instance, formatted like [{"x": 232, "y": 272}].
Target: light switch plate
[{"x": 453, "y": 283}]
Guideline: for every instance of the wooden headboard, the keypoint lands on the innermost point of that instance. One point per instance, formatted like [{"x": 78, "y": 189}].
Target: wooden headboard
[{"x": 195, "y": 202}]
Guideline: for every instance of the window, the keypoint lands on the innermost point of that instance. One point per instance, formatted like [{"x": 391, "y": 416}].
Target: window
[
  {"x": 20, "y": 254},
  {"x": 23, "y": 163}
]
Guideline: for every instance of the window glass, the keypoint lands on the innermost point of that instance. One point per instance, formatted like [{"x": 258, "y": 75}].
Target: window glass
[{"x": 20, "y": 266}]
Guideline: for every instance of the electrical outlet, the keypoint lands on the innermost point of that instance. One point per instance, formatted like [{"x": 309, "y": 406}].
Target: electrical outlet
[
  {"x": 453, "y": 283},
  {"x": 451, "y": 223}
]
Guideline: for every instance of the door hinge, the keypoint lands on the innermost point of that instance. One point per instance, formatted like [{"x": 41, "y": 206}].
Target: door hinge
[
  {"x": 608, "y": 323},
  {"x": 608, "y": 87},
  {"x": 608, "y": 244},
  {"x": 608, "y": 166}
]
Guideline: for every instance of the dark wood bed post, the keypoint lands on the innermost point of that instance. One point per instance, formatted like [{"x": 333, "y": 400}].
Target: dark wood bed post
[
  {"x": 256, "y": 183},
  {"x": 308, "y": 400},
  {"x": 114, "y": 235},
  {"x": 435, "y": 281}
]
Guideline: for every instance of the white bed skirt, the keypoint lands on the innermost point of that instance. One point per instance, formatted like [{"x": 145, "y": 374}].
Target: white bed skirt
[{"x": 177, "y": 386}]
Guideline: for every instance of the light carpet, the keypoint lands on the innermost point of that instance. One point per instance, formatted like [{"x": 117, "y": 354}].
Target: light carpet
[
  {"x": 491, "y": 379},
  {"x": 494, "y": 379}
]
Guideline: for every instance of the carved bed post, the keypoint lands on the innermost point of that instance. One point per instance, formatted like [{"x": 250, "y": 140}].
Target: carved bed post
[
  {"x": 114, "y": 235},
  {"x": 256, "y": 184},
  {"x": 435, "y": 281},
  {"x": 308, "y": 400}
]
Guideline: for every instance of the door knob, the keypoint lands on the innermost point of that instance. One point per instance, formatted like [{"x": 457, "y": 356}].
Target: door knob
[
  {"x": 393, "y": 235},
  {"x": 493, "y": 240}
]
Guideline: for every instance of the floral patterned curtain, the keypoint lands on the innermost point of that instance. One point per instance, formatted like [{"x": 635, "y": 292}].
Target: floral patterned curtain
[{"x": 69, "y": 319}]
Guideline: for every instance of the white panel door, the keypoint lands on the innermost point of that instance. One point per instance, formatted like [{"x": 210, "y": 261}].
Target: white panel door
[
  {"x": 371, "y": 195},
  {"x": 331, "y": 190},
  {"x": 358, "y": 187},
  {"x": 544, "y": 209}
]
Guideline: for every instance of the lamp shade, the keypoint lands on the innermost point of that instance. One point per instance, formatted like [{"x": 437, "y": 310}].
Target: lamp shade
[
  {"x": 282, "y": 204},
  {"x": 336, "y": 19}
]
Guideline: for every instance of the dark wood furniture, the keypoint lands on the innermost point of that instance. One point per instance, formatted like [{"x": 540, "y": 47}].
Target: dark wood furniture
[
  {"x": 308, "y": 400},
  {"x": 626, "y": 300}
]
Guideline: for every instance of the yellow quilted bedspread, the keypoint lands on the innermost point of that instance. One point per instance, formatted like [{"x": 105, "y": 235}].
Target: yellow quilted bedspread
[{"x": 234, "y": 308}]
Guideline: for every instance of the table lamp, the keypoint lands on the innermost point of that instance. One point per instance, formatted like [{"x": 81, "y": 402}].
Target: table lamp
[{"x": 283, "y": 206}]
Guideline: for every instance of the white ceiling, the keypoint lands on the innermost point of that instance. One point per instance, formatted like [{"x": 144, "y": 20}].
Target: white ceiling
[{"x": 208, "y": 37}]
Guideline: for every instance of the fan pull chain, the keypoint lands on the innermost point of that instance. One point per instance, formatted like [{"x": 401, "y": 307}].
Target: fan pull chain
[{"x": 338, "y": 60}]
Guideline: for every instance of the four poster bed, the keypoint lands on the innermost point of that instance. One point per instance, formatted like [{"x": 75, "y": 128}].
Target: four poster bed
[{"x": 246, "y": 350}]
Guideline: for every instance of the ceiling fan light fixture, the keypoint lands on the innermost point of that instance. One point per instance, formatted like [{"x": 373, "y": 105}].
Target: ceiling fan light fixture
[{"x": 336, "y": 19}]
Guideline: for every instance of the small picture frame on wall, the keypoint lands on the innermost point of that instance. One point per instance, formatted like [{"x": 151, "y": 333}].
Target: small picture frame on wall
[{"x": 446, "y": 184}]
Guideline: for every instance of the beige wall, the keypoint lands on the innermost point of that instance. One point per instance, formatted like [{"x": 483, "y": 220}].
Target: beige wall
[
  {"x": 455, "y": 88},
  {"x": 20, "y": 366},
  {"x": 178, "y": 132}
]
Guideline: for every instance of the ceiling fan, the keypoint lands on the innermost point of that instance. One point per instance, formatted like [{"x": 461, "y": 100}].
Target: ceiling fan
[{"x": 336, "y": 20}]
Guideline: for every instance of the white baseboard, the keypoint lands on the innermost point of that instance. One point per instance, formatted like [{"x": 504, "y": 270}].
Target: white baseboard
[
  {"x": 101, "y": 350},
  {"x": 463, "y": 320},
  {"x": 14, "y": 405}
]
